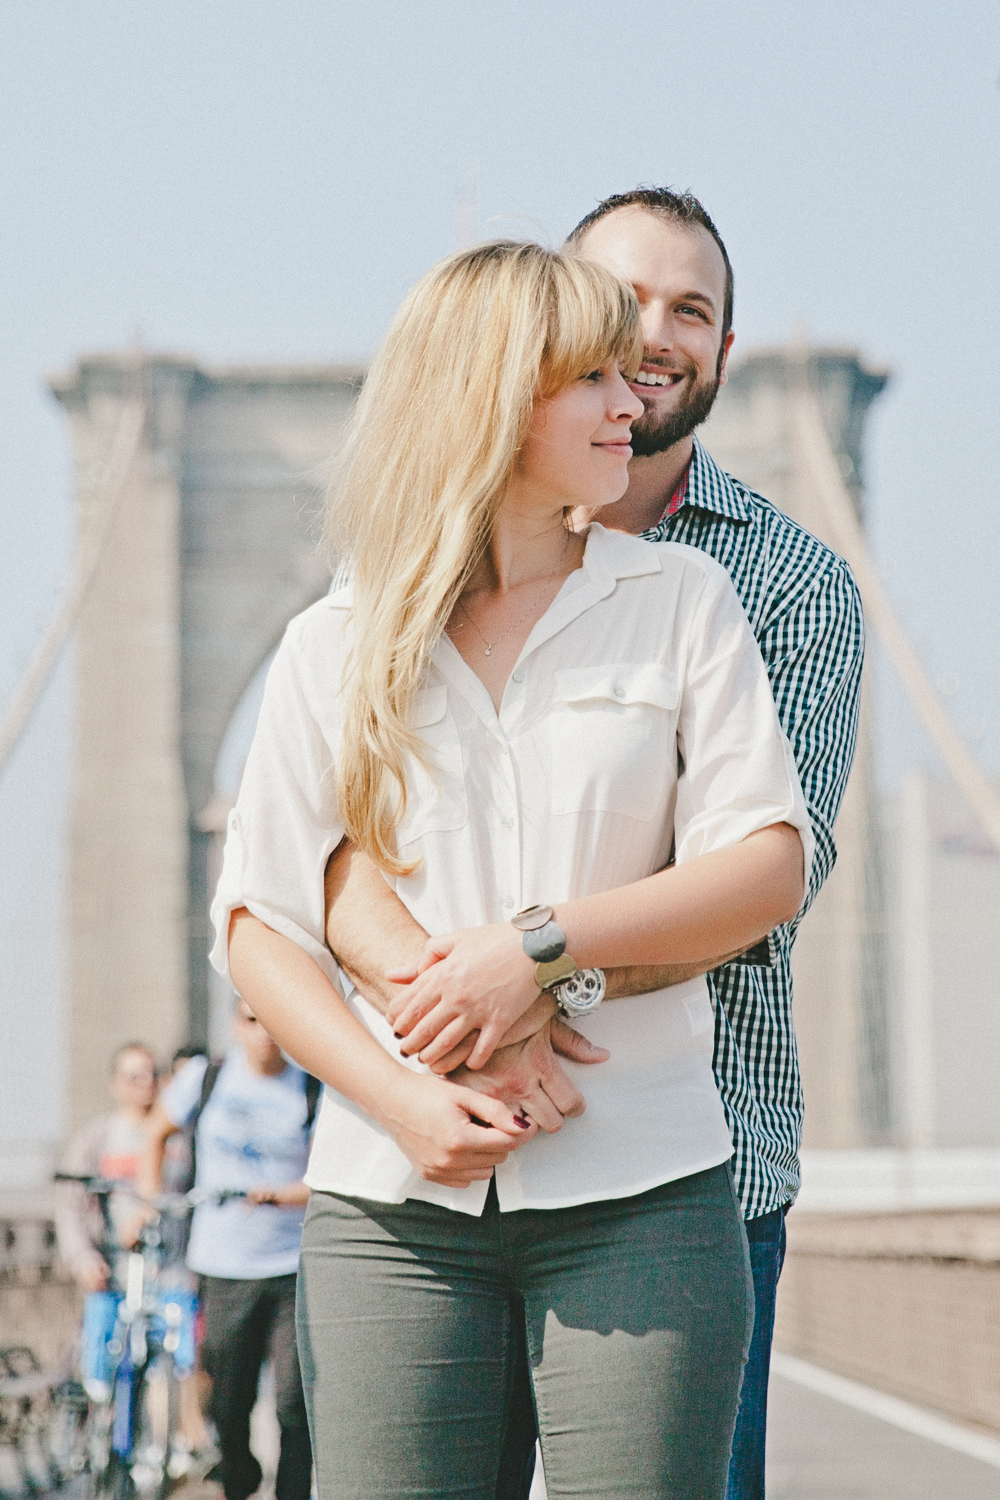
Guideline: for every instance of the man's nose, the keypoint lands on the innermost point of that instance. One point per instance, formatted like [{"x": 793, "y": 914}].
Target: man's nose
[{"x": 657, "y": 327}]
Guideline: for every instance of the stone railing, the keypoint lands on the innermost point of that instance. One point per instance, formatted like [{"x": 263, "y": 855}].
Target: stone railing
[
  {"x": 39, "y": 1302},
  {"x": 906, "y": 1302}
]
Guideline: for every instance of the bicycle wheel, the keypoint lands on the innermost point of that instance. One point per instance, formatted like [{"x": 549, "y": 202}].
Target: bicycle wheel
[
  {"x": 65, "y": 1437},
  {"x": 98, "y": 1457},
  {"x": 154, "y": 1427}
]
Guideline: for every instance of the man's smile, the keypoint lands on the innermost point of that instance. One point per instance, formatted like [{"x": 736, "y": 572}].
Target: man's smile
[{"x": 656, "y": 375}]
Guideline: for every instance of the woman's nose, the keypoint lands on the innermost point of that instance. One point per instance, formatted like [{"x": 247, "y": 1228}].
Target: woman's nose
[{"x": 625, "y": 402}]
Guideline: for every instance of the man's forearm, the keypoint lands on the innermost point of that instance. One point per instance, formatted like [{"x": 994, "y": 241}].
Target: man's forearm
[
  {"x": 149, "y": 1172},
  {"x": 643, "y": 979},
  {"x": 367, "y": 926},
  {"x": 372, "y": 933}
]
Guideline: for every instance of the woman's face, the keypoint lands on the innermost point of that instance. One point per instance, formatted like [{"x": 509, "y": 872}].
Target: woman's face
[{"x": 577, "y": 448}]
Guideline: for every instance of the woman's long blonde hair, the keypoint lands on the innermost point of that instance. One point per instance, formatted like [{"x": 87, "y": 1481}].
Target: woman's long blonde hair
[{"x": 429, "y": 455}]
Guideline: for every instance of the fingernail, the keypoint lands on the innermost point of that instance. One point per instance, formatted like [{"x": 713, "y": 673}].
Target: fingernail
[
  {"x": 398, "y": 1035},
  {"x": 520, "y": 1120}
]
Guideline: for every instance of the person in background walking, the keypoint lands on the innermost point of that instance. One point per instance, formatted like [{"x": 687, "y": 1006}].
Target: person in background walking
[
  {"x": 251, "y": 1119},
  {"x": 110, "y": 1146}
]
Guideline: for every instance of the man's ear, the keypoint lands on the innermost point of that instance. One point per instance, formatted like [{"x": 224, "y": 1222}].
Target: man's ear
[{"x": 723, "y": 374}]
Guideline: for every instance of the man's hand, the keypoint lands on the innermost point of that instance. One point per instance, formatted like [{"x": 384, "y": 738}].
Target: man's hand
[
  {"x": 527, "y": 1077},
  {"x": 93, "y": 1274},
  {"x": 285, "y": 1195}
]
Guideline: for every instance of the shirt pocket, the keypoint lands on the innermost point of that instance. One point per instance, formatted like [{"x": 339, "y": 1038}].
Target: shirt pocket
[
  {"x": 612, "y": 739},
  {"x": 436, "y": 800}
]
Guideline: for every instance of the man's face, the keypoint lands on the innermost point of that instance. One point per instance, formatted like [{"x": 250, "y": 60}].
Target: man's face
[
  {"x": 679, "y": 277},
  {"x": 133, "y": 1083},
  {"x": 264, "y": 1053}
]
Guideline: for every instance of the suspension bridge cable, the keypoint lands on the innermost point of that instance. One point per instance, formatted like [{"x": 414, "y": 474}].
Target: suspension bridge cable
[
  {"x": 121, "y": 463},
  {"x": 847, "y": 537}
]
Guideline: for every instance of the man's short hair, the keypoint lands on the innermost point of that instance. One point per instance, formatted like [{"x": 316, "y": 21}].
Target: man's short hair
[
  {"x": 189, "y": 1050},
  {"x": 678, "y": 208},
  {"x": 120, "y": 1052}
]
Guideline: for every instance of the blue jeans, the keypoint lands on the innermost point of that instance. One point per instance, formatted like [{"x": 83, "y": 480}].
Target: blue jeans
[
  {"x": 100, "y": 1318},
  {"x": 766, "y": 1238}
]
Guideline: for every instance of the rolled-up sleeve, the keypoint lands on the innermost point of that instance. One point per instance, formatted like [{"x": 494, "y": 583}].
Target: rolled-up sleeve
[
  {"x": 285, "y": 823},
  {"x": 737, "y": 773}
]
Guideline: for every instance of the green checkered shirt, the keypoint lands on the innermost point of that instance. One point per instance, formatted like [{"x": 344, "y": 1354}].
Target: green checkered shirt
[{"x": 803, "y": 606}]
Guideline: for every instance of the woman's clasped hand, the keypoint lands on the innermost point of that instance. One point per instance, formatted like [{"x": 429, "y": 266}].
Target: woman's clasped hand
[
  {"x": 452, "y": 1135},
  {"x": 476, "y": 980}
]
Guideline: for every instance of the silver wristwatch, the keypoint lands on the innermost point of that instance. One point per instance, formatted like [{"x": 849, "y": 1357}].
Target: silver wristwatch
[{"x": 578, "y": 992}]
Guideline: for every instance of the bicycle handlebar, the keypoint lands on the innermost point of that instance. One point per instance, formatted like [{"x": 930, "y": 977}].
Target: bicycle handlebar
[{"x": 165, "y": 1203}]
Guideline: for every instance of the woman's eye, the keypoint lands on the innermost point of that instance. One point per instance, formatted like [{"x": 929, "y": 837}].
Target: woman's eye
[{"x": 595, "y": 376}]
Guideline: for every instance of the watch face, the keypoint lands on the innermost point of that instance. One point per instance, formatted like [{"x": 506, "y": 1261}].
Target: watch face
[{"x": 582, "y": 992}]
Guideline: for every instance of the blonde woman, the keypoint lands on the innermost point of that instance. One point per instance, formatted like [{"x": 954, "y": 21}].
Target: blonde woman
[{"x": 514, "y": 722}]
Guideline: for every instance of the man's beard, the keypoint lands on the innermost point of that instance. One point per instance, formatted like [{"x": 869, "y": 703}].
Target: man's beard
[{"x": 654, "y": 434}]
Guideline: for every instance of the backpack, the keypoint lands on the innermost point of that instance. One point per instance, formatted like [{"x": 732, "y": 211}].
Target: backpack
[{"x": 313, "y": 1088}]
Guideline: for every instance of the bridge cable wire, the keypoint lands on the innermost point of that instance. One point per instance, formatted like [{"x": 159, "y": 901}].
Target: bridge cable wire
[
  {"x": 845, "y": 534},
  {"x": 125, "y": 449}
]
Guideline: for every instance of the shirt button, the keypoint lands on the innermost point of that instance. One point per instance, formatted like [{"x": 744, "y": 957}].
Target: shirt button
[
  {"x": 508, "y": 902},
  {"x": 619, "y": 691},
  {"x": 518, "y": 676},
  {"x": 508, "y": 822}
]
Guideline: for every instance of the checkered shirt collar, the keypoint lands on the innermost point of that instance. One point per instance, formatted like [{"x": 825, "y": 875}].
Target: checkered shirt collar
[{"x": 707, "y": 487}]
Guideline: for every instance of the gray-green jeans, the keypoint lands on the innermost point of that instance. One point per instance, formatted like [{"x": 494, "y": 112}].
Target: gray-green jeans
[{"x": 430, "y": 1341}]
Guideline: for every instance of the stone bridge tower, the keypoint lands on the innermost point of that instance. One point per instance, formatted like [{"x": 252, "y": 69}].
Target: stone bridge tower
[{"x": 213, "y": 550}]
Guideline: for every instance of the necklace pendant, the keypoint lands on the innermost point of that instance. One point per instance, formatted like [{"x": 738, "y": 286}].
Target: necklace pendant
[{"x": 488, "y": 651}]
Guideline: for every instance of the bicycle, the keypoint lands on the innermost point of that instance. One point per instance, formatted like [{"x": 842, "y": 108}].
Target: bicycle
[
  {"x": 27, "y": 1464},
  {"x": 127, "y": 1439}
]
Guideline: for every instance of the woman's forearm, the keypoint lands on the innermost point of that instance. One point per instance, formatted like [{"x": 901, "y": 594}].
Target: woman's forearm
[
  {"x": 481, "y": 980},
  {"x": 721, "y": 902},
  {"x": 451, "y": 1135}
]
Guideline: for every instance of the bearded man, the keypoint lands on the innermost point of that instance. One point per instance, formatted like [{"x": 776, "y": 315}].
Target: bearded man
[{"x": 805, "y": 613}]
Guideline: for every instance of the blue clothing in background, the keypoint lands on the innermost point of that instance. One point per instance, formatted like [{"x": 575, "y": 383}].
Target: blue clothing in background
[
  {"x": 252, "y": 1132},
  {"x": 100, "y": 1318}
]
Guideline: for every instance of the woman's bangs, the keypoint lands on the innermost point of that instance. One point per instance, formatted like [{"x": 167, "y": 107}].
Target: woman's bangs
[{"x": 590, "y": 330}]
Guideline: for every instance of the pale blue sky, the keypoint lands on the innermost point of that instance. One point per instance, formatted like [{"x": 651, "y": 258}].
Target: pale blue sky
[{"x": 247, "y": 180}]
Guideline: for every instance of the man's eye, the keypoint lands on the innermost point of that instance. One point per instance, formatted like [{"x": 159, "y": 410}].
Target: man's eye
[{"x": 698, "y": 311}]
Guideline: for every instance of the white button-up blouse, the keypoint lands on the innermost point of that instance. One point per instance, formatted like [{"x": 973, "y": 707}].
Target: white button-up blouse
[{"x": 638, "y": 720}]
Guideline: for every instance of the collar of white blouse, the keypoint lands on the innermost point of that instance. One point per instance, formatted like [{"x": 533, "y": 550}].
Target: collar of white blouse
[{"x": 607, "y": 557}]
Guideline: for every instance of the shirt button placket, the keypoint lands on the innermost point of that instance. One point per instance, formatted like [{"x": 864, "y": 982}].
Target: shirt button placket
[{"x": 509, "y": 864}]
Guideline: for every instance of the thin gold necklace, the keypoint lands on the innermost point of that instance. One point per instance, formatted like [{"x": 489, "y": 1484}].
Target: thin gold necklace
[{"x": 521, "y": 618}]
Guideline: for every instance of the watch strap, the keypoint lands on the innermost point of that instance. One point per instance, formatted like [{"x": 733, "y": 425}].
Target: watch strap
[
  {"x": 532, "y": 917},
  {"x": 549, "y": 974},
  {"x": 544, "y": 944}
]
